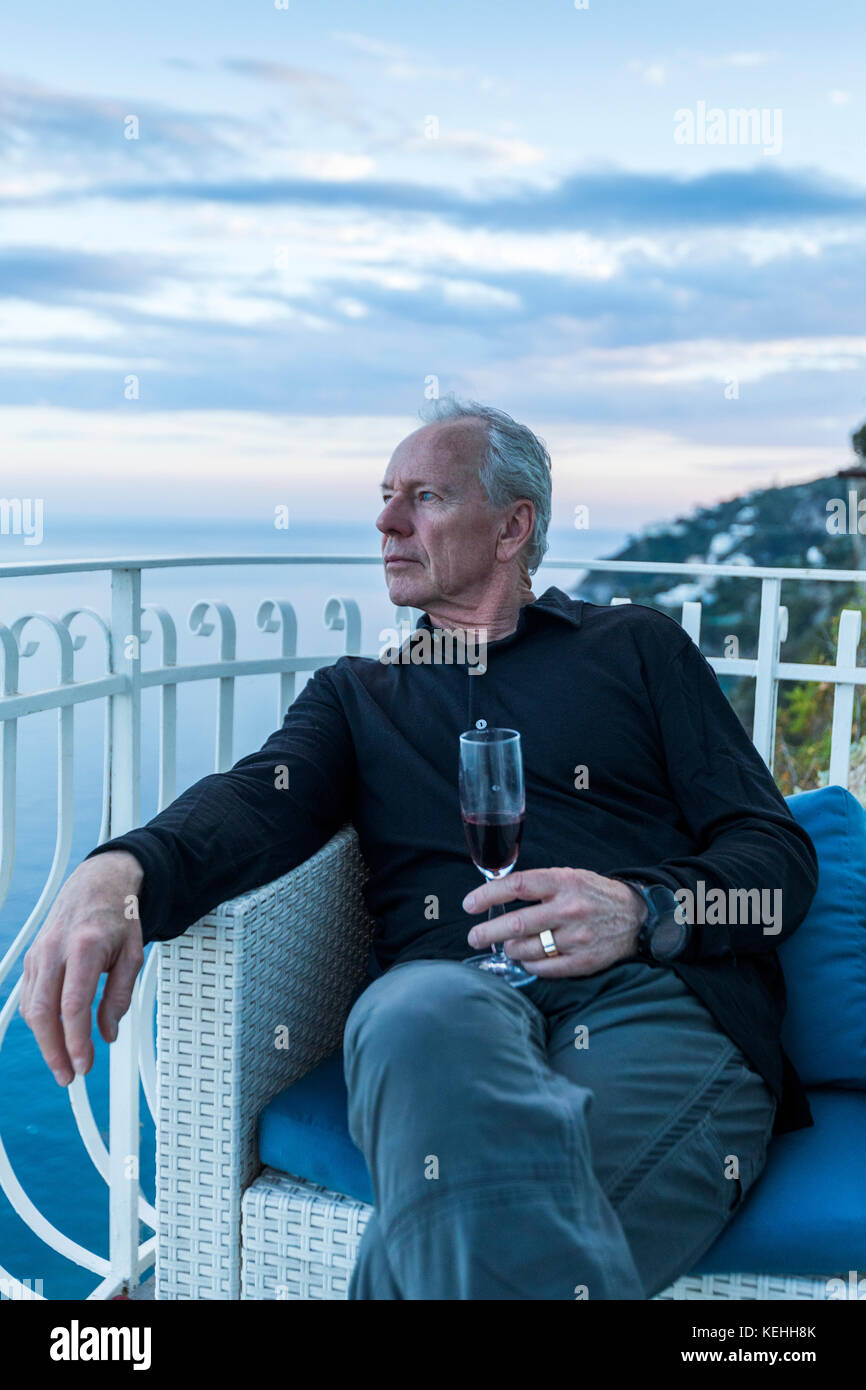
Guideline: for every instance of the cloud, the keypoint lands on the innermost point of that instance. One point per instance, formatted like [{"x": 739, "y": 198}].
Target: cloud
[
  {"x": 656, "y": 71},
  {"x": 597, "y": 289},
  {"x": 55, "y": 141},
  {"x": 748, "y": 59},
  {"x": 332, "y": 165},
  {"x": 434, "y": 300},
  {"x": 374, "y": 48},
  {"x": 316, "y": 92},
  {"x": 40, "y": 125},
  {"x": 50, "y": 274},
  {"x": 398, "y": 61},
  {"x": 578, "y": 346},
  {"x": 709, "y": 359},
  {"x": 497, "y": 150},
  {"x": 626, "y": 293},
  {"x": 311, "y": 254},
  {"x": 351, "y": 308},
  {"x": 607, "y": 199},
  {"x": 653, "y": 73}
]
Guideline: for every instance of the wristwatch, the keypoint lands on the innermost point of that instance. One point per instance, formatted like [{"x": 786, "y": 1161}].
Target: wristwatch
[{"x": 663, "y": 937}]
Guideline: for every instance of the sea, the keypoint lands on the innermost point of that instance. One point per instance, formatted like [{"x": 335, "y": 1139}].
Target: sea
[{"x": 37, "y": 1127}]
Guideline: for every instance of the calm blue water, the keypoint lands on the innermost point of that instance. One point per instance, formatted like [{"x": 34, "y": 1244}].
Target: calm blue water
[{"x": 36, "y": 1122}]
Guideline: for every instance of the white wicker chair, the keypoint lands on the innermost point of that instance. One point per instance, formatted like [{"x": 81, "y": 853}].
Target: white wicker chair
[{"x": 287, "y": 956}]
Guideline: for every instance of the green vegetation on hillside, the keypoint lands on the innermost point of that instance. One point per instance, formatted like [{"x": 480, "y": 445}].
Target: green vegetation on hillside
[{"x": 787, "y": 527}]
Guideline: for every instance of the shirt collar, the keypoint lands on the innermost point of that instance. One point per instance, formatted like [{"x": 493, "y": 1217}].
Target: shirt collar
[{"x": 553, "y": 603}]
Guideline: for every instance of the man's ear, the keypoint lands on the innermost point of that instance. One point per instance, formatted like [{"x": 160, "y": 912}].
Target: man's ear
[{"x": 526, "y": 503}]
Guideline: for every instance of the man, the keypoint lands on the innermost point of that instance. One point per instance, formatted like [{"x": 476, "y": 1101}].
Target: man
[{"x": 588, "y": 1134}]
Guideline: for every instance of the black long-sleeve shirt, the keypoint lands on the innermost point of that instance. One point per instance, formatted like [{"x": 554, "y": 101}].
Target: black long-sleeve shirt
[{"x": 674, "y": 792}]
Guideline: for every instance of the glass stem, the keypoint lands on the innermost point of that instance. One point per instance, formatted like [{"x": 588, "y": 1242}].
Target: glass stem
[{"x": 498, "y": 948}]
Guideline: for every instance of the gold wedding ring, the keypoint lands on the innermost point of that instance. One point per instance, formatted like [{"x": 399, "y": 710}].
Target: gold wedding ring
[{"x": 547, "y": 941}]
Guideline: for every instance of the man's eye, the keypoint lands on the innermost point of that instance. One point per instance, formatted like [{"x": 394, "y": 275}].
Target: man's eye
[{"x": 425, "y": 493}]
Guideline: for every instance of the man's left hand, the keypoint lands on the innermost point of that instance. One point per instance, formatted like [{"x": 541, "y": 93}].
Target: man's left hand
[{"x": 595, "y": 920}]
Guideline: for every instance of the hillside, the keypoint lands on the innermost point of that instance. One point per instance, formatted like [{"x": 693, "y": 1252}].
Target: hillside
[{"x": 779, "y": 526}]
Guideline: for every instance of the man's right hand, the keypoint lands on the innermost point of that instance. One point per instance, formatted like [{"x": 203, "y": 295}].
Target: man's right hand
[{"x": 88, "y": 930}]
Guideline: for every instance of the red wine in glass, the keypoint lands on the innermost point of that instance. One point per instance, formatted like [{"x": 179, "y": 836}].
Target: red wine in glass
[
  {"x": 494, "y": 841},
  {"x": 493, "y": 804}
]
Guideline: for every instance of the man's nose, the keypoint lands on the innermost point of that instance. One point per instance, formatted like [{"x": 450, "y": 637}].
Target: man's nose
[{"x": 392, "y": 518}]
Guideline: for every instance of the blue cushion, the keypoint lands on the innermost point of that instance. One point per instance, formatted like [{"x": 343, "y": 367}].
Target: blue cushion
[
  {"x": 806, "y": 1212},
  {"x": 304, "y": 1131},
  {"x": 824, "y": 962}
]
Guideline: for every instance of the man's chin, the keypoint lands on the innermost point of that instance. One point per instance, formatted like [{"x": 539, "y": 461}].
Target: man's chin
[{"x": 405, "y": 589}]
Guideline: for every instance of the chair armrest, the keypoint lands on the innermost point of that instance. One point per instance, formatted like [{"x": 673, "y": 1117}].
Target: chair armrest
[{"x": 250, "y": 998}]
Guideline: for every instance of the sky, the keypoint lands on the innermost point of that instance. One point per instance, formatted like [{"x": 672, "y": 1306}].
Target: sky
[{"x": 240, "y": 243}]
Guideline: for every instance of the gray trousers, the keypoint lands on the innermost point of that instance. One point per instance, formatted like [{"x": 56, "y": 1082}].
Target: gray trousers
[{"x": 577, "y": 1138}]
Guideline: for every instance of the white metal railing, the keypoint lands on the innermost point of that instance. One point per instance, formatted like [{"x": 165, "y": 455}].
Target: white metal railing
[{"x": 121, "y": 686}]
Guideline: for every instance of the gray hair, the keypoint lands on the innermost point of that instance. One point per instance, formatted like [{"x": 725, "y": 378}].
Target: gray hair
[{"x": 516, "y": 464}]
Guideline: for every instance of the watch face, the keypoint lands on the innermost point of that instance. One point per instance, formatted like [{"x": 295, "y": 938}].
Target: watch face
[{"x": 668, "y": 937}]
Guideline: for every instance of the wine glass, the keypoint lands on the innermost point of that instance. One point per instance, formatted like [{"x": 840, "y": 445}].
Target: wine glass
[{"x": 493, "y": 803}]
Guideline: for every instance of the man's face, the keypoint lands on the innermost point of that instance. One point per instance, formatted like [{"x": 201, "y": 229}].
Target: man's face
[{"x": 439, "y": 531}]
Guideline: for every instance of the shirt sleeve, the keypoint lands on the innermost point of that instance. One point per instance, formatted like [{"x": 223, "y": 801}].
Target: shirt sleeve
[
  {"x": 236, "y": 830},
  {"x": 744, "y": 834}
]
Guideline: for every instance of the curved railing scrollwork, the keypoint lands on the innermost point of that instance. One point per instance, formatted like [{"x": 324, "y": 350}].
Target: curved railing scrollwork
[
  {"x": 167, "y": 707},
  {"x": 226, "y": 691},
  {"x": 267, "y": 620},
  {"x": 344, "y": 615},
  {"x": 78, "y": 641}
]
